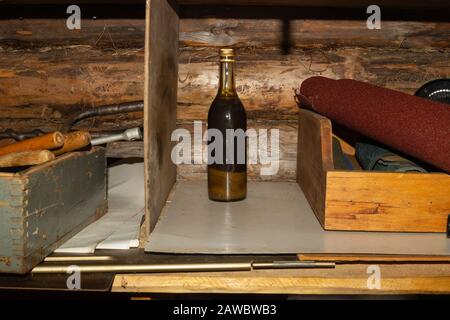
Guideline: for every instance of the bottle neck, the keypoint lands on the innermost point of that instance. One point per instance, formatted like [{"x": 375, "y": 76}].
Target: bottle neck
[{"x": 226, "y": 82}]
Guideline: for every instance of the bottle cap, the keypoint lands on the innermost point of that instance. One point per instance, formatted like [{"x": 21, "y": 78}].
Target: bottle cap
[{"x": 226, "y": 55}]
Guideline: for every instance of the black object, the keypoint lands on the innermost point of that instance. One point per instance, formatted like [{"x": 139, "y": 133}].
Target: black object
[
  {"x": 108, "y": 110},
  {"x": 19, "y": 136},
  {"x": 436, "y": 90},
  {"x": 448, "y": 226},
  {"x": 376, "y": 158},
  {"x": 98, "y": 111},
  {"x": 340, "y": 159}
]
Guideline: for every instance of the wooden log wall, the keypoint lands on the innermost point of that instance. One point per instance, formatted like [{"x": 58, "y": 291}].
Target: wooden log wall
[{"x": 48, "y": 72}]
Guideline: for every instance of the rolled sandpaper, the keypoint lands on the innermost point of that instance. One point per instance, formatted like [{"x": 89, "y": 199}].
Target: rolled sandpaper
[{"x": 415, "y": 126}]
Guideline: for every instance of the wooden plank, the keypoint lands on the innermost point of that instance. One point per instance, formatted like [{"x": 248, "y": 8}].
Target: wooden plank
[
  {"x": 345, "y": 279},
  {"x": 25, "y": 158},
  {"x": 266, "y": 79},
  {"x": 74, "y": 73},
  {"x": 376, "y": 201},
  {"x": 107, "y": 34},
  {"x": 125, "y": 149},
  {"x": 246, "y": 27},
  {"x": 70, "y": 80},
  {"x": 371, "y": 258},
  {"x": 242, "y": 27},
  {"x": 160, "y": 97},
  {"x": 314, "y": 159}
]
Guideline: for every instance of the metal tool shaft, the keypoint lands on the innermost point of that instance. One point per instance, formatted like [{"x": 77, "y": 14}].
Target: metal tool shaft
[
  {"x": 78, "y": 259},
  {"x": 191, "y": 267},
  {"x": 148, "y": 268},
  {"x": 292, "y": 265},
  {"x": 127, "y": 135}
]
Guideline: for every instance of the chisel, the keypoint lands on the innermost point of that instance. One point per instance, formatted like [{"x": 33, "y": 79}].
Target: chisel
[
  {"x": 74, "y": 141},
  {"x": 186, "y": 267},
  {"x": 45, "y": 142}
]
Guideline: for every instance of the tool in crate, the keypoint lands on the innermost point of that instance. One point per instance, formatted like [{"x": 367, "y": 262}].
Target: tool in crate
[{"x": 43, "y": 148}]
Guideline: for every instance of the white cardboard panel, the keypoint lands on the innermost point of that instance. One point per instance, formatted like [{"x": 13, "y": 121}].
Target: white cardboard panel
[
  {"x": 274, "y": 219},
  {"x": 119, "y": 227}
]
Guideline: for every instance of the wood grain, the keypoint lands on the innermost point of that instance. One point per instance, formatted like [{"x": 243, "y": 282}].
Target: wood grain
[
  {"x": 105, "y": 34},
  {"x": 245, "y": 31},
  {"x": 345, "y": 279},
  {"x": 98, "y": 77},
  {"x": 375, "y": 201},
  {"x": 103, "y": 63},
  {"x": 266, "y": 78},
  {"x": 314, "y": 159},
  {"x": 41, "y": 89},
  {"x": 160, "y": 98},
  {"x": 26, "y": 158},
  {"x": 237, "y": 30},
  {"x": 125, "y": 149},
  {"x": 47, "y": 141},
  {"x": 73, "y": 141}
]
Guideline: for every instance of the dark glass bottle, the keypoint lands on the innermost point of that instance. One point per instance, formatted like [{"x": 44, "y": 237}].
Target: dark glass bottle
[{"x": 227, "y": 168}]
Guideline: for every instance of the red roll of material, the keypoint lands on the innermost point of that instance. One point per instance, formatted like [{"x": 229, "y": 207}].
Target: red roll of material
[{"x": 410, "y": 124}]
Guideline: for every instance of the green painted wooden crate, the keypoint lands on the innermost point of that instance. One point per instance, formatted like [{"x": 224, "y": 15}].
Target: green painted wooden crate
[{"x": 43, "y": 206}]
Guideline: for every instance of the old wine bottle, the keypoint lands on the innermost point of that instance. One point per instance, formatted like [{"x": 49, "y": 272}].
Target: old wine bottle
[{"x": 227, "y": 124}]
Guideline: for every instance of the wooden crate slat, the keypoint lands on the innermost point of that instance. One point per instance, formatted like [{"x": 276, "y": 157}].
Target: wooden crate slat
[{"x": 160, "y": 97}]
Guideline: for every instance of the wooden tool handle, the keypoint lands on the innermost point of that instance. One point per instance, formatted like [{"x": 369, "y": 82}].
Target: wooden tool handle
[
  {"x": 47, "y": 141},
  {"x": 74, "y": 141},
  {"x": 26, "y": 158}
]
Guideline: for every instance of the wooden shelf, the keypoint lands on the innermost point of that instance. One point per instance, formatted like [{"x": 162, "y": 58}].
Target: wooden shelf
[
  {"x": 125, "y": 149},
  {"x": 345, "y": 279}
]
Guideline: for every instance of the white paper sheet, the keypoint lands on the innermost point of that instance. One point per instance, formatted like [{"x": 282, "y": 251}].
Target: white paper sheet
[{"x": 119, "y": 228}]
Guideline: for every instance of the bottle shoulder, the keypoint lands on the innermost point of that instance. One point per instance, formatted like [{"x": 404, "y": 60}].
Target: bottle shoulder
[
  {"x": 227, "y": 104},
  {"x": 226, "y": 110}
]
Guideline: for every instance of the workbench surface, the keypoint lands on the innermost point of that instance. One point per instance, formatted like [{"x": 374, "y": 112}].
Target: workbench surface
[
  {"x": 351, "y": 278},
  {"x": 345, "y": 279}
]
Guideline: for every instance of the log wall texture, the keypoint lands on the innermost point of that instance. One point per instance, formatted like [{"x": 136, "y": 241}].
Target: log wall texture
[{"x": 48, "y": 72}]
